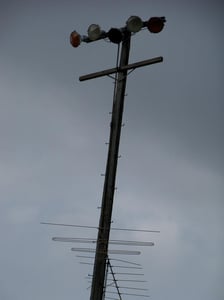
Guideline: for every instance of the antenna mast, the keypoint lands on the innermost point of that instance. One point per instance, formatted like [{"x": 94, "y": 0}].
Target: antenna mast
[{"x": 117, "y": 36}]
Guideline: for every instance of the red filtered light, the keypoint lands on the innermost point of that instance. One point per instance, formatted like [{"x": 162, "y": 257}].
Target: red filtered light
[
  {"x": 75, "y": 39},
  {"x": 156, "y": 24}
]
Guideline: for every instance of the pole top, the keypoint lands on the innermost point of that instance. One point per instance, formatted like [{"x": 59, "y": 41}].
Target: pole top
[{"x": 133, "y": 25}]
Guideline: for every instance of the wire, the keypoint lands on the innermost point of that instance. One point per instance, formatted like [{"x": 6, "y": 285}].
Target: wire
[
  {"x": 116, "y": 74},
  {"x": 115, "y": 281}
]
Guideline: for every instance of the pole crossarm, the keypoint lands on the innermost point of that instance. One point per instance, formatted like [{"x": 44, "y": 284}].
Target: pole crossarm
[{"x": 121, "y": 69}]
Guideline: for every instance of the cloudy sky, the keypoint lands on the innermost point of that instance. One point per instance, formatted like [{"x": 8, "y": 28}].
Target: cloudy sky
[{"x": 53, "y": 131}]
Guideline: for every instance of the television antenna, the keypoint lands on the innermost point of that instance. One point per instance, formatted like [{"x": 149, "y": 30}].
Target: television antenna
[{"x": 120, "y": 36}]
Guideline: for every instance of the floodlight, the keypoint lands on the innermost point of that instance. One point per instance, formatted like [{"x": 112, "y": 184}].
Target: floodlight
[
  {"x": 94, "y": 32},
  {"x": 115, "y": 35},
  {"x": 156, "y": 24},
  {"x": 75, "y": 39},
  {"x": 134, "y": 24}
]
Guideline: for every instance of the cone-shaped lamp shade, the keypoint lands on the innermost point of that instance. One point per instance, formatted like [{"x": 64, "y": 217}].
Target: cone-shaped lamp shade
[
  {"x": 156, "y": 24},
  {"x": 94, "y": 32},
  {"x": 75, "y": 39},
  {"x": 134, "y": 24},
  {"x": 115, "y": 35}
]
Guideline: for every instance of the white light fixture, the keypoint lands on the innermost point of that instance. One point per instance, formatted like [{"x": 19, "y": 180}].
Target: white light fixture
[
  {"x": 134, "y": 24},
  {"x": 94, "y": 32}
]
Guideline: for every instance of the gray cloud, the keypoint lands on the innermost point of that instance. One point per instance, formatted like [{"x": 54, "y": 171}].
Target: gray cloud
[{"x": 53, "y": 129}]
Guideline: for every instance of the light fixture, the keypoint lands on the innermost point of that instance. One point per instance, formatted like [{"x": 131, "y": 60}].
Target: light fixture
[
  {"x": 115, "y": 35},
  {"x": 134, "y": 24},
  {"x": 94, "y": 32},
  {"x": 75, "y": 39},
  {"x": 156, "y": 24}
]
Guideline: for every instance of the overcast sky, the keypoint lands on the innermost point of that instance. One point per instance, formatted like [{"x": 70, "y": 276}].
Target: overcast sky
[{"x": 53, "y": 131}]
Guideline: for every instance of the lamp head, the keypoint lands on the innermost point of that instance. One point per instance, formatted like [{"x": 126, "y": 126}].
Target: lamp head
[
  {"x": 156, "y": 24},
  {"x": 94, "y": 32},
  {"x": 115, "y": 35},
  {"x": 75, "y": 39},
  {"x": 134, "y": 24}
]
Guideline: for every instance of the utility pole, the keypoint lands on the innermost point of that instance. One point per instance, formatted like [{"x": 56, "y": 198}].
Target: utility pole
[
  {"x": 110, "y": 175},
  {"x": 123, "y": 36}
]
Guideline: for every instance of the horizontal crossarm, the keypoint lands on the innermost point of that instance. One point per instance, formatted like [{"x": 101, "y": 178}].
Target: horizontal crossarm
[{"x": 121, "y": 69}]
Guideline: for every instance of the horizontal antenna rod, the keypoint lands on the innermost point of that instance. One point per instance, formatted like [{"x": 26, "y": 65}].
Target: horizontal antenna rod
[
  {"x": 95, "y": 227},
  {"x": 131, "y": 274},
  {"x": 89, "y": 240},
  {"x": 129, "y": 280},
  {"x": 116, "y": 259},
  {"x": 123, "y": 252},
  {"x": 125, "y": 261},
  {"x": 128, "y": 294},
  {"x": 125, "y": 267},
  {"x": 68, "y": 225},
  {"x": 132, "y": 288},
  {"x": 121, "y": 69}
]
